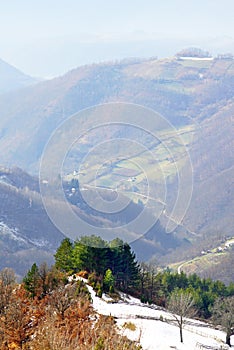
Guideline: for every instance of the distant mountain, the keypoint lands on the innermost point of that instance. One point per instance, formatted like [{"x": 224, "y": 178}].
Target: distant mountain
[
  {"x": 26, "y": 233},
  {"x": 183, "y": 91},
  {"x": 13, "y": 79},
  {"x": 196, "y": 96}
]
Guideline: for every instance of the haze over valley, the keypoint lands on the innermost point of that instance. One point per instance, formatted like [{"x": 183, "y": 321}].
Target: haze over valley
[{"x": 195, "y": 98}]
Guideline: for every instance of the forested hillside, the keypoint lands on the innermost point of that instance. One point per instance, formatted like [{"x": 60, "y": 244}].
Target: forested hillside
[{"x": 52, "y": 307}]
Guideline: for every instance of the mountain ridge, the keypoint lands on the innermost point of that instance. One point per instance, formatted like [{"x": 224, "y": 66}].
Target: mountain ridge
[{"x": 12, "y": 78}]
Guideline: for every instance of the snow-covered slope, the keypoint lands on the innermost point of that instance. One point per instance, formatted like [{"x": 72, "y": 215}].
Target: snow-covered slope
[
  {"x": 14, "y": 235},
  {"x": 154, "y": 326}
]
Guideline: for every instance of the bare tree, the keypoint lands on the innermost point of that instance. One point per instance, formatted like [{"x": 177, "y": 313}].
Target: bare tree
[
  {"x": 7, "y": 276},
  {"x": 152, "y": 275},
  {"x": 143, "y": 276},
  {"x": 43, "y": 273},
  {"x": 7, "y": 283},
  {"x": 181, "y": 305},
  {"x": 223, "y": 314},
  {"x": 62, "y": 299}
]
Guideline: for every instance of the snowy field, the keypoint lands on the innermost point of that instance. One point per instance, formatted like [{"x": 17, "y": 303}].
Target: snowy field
[
  {"x": 196, "y": 58},
  {"x": 153, "y": 331},
  {"x": 156, "y": 334}
]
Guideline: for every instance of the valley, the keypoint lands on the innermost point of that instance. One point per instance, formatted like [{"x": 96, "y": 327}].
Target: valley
[
  {"x": 116, "y": 175},
  {"x": 180, "y": 174}
]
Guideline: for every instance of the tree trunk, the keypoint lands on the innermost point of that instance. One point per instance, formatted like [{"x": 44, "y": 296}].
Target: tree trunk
[
  {"x": 228, "y": 339},
  {"x": 181, "y": 334}
]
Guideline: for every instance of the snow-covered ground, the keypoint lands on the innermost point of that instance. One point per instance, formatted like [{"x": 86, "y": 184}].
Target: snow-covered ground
[
  {"x": 190, "y": 58},
  {"x": 155, "y": 334},
  {"x": 14, "y": 235},
  {"x": 11, "y": 233}
]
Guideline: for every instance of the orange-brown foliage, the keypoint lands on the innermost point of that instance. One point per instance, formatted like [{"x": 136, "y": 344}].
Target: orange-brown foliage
[
  {"x": 83, "y": 274},
  {"x": 61, "y": 320}
]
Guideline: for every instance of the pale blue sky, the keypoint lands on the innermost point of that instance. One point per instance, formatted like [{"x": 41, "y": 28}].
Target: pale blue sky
[{"x": 49, "y": 37}]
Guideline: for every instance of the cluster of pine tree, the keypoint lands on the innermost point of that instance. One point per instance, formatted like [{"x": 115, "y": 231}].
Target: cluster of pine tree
[
  {"x": 157, "y": 287},
  {"x": 111, "y": 261}
]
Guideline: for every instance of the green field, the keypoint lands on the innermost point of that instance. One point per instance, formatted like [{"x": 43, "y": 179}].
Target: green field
[{"x": 131, "y": 174}]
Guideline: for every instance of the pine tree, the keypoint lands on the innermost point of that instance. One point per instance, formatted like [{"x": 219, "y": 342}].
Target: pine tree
[
  {"x": 32, "y": 281},
  {"x": 63, "y": 256},
  {"x": 127, "y": 269},
  {"x": 90, "y": 253},
  {"x": 108, "y": 281}
]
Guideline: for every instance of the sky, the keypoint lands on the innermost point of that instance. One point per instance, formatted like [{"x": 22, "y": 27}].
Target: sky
[{"x": 49, "y": 37}]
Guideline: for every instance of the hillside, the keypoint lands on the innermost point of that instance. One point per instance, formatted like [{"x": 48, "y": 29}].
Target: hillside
[
  {"x": 62, "y": 311},
  {"x": 195, "y": 96},
  {"x": 13, "y": 79},
  {"x": 154, "y": 328},
  {"x": 28, "y": 235},
  {"x": 177, "y": 89}
]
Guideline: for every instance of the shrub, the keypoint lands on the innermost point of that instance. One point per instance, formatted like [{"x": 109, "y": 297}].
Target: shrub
[{"x": 129, "y": 325}]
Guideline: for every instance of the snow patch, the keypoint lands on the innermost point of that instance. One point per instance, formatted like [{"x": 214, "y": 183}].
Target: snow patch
[
  {"x": 15, "y": 235},
  {"x": 196, "y": 58},
  {"x": 12, "y": 233}
]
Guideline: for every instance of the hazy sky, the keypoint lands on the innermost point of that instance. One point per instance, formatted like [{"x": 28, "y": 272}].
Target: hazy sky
[{"x": 48, "y": 37}]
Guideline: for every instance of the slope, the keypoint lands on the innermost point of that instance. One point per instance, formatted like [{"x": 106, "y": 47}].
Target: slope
[
  {"x": 28, "y": 235},
  {"x": 154, "y": 328},
  {"x": 13, "y": 79},
  {"x": 169, "y": 86}
]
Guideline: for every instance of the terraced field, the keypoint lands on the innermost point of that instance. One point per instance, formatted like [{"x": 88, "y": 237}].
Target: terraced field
[{"x": 137, "y": 173}]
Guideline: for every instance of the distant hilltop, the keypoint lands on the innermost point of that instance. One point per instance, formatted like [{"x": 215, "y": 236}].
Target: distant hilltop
[
  {"x": 197, "y": 54},
  {"x": 12, "y": 79}
]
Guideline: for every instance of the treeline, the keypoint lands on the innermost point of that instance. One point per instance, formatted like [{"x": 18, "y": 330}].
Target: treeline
[
  {"x": 113, "y": 265},
  {"x": 157, "y": 287}
]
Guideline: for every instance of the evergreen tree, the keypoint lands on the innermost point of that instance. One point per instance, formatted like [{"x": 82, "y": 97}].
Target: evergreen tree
[
  {"x": 108, "y": 281},
  {"x": 32, "y": 281},
  {"x": 90, "y": 253},
  {"x": 63, "y": 256},
  {"x": 114, "y": 255},
  {"x": 127, "y": 274},
  {"x": 80, "y": 259}
]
